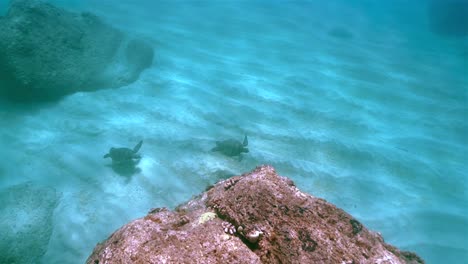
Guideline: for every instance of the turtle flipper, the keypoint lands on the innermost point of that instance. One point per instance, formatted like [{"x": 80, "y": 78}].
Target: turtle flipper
[
  {"x": 217, "y": 148},
  {"x": 246, "y": 141},
  {"x": 138, "y": 146},
  {"x": 107, "y": 155}
]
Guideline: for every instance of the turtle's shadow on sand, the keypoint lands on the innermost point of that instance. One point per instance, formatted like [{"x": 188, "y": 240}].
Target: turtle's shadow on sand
[{"x": 125, "y": 169}]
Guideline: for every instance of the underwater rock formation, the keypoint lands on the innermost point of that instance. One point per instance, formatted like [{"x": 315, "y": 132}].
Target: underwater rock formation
[
  {"x": 449, "y": 17},
  {"x": 47, "y": 52},
  {"x": 258, "y": 217},
  {"x": 26, "y": 219}
]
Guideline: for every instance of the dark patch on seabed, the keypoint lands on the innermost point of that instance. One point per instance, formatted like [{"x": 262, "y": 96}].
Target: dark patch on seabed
[{"x": 449, "y": 17}]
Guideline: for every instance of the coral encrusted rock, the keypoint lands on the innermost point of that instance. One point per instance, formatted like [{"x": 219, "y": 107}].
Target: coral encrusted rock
[
  {"x": 259, "y": 217},
  {"x": 47, "y": 52}
]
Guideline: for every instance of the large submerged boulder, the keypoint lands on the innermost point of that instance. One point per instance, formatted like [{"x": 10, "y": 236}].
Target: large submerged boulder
[
  {"x": 47, "y": 52},
  {"x": 449, "y": 17},
  {"x": 26, "y": 220},
  {"x": 258, "y": 217}
]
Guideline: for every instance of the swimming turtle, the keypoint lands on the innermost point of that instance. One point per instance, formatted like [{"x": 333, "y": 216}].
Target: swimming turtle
[
  {"x": 232, "y": 147},
  {"x": 124, "y": 155}
]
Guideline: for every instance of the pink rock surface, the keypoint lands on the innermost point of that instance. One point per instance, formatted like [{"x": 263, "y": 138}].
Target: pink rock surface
[{"x": 259, "y": 217}]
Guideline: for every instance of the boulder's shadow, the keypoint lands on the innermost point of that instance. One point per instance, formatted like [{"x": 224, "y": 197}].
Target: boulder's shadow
[{"x": 125, "y": 169}]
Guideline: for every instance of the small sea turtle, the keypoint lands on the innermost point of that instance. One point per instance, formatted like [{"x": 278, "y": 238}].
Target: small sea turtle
[
  {"x": 124, "y": 155},
  {"x": 232, "y": 147}
]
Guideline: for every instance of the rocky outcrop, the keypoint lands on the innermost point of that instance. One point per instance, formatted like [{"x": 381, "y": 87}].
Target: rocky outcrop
[
  {"x": 449, "y": 18},
  {"x": 258, "y": 217},
  {"x": 47, "y": 52},
  {"x": 26, "y": 220}
]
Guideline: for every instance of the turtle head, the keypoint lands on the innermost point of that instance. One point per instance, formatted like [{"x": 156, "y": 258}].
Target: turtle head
[{"x": 110, "y": 152}]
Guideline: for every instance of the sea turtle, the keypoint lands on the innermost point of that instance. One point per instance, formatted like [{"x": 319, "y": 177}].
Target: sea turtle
[
  {"x": 124, "y": 155},
  {"x": 232, "y": 147}
]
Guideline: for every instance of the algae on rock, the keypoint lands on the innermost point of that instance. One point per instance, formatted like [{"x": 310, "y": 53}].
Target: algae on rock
[{"x": 259, "y": 217}]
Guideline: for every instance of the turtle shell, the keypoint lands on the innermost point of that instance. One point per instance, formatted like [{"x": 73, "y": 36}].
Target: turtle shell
[
  {"x": 230, "y": 147},
  {"x": 121, "y": 154}
]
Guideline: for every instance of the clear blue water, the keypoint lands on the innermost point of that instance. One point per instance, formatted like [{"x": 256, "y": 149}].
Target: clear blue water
[{"x": 359, "y": 102}]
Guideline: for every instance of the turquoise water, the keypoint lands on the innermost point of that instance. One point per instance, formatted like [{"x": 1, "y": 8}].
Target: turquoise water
[{"x": 359, "y": 102}]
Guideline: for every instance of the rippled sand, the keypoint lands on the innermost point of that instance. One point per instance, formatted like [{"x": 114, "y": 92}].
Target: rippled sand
[{"x": 371, "y": 117}]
